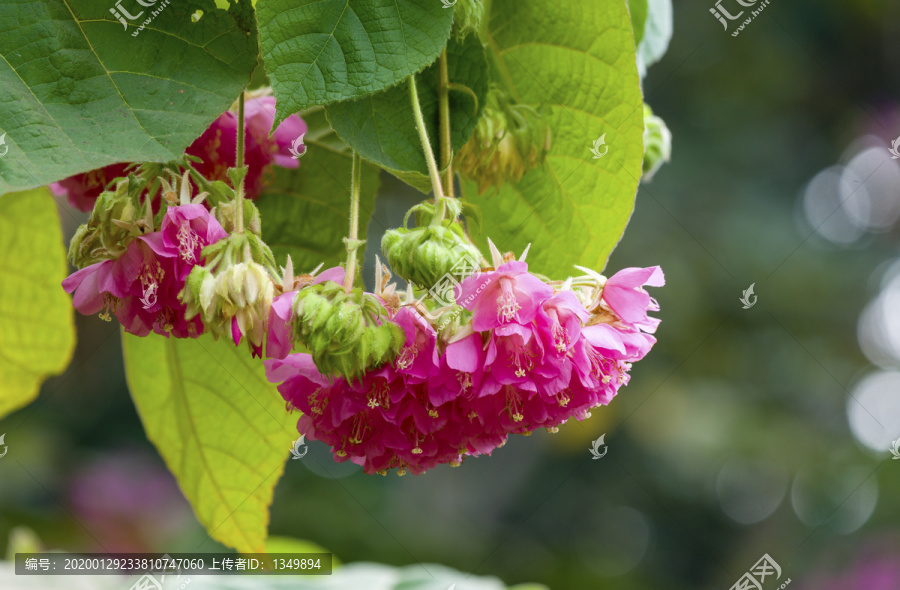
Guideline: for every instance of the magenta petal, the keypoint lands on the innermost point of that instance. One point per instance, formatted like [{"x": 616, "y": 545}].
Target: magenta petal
[
  {"x": 235, "y": 331},
  {"x": 465, "y": 355},
  {"x": 637, "y": 277},
  {"x": 278, "y": 340},
  {"x": 484, "y": 314},
  {"x": 604, "y": 336},
  {"x": 88, "y": 300},
  {"x": 335, "y": 273},
  {"x": 629, "y": 304},
  {"x": 157, "y": 244}
]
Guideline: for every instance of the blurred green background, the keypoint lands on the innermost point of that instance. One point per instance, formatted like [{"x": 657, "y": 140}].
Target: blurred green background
[{"x": 744, "y": 432}]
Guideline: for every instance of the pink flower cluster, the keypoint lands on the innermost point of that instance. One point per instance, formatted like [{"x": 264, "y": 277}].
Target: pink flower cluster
[
  {"x": 534, "y": 358},
  {"x": 141, "y": 287},
  {"x": 217, "y": 147}
]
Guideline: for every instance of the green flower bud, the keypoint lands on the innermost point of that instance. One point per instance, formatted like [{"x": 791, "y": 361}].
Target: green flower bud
[
  {"x": 467, "y": 16},
  {"x": 657, "y": 143},
  {"x": 233, "y": 285},
  {"x": 424, "y": 255},
  {"x": 117, "y": 218},
  {"x": 347, "y": 332},
  {"x": 509, "y": 140}
]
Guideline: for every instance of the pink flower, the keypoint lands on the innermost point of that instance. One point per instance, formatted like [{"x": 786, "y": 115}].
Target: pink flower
[
  {"x": 419, "y": 358},
  {"x": 560, "y": 321},
  {"x": 82, "y": 190},
  {"x": 624, "y": 294},
  {"x": 508, "y": 294},
  {"x": 380, "y": 423},
  {"x": 141, "y": 287},
  {"x": 217, "y": 147},
  {"x": 461, "y": 371}
]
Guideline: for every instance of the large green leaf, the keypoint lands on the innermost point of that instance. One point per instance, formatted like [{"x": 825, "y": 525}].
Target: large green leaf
[
  {"x": 37, "y": 333},
  {"x": 381, "y": 126},
  {"x": 306, "y": 212},
  {"x": 78, "y": 91},
  {"x": 580, "y": 64},
  {"x": 321, "y": 51},
  {"x": 219, "y": 425}
]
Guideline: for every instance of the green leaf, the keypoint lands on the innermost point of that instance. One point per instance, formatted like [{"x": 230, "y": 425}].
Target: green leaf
[
  {"x": 581, "y": 65},
  {"x": 638, "y": 11},
  {"x": 657, "y": 34},
  {"x": 78, "y": 91},
  {"x": 37, "y": 331},
  {"x": 321, "y": 51},
  {"x": 306, "y": 212},
  {"x": 381, "y": 127},
  {"x": 219, "y": 425}
]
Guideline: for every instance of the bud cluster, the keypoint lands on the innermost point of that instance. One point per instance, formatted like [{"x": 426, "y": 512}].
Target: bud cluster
[
  {"x": 509, "y": 140},
  {"x": 424, "y": 254}
]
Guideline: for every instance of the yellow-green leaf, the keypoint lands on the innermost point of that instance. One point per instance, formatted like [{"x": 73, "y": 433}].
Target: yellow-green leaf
[
  {"x": 37, "y": 333},
  {"x": 221, "y": 428}
]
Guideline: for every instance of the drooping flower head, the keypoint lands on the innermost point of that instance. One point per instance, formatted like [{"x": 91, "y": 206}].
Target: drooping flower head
[
  {"x": 217, "y": 149},
  {"x": 520, "y": 353},
  {"x": 141, "y": 286}
]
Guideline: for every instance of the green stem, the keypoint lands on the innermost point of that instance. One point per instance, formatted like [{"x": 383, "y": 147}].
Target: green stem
[
  {"x": 444, "y": 109},
  {"x": 426, "y": 147},
  {"x": 353, "y": 237},
  {"x": 239, "y": 204}
]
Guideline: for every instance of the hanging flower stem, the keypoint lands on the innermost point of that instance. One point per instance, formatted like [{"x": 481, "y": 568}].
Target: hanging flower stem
[
  {"x": 352, "y": 240},
  {"x": 239, "y": 189},
  {"x": 444, "y": 110},
  {"x": 429, "y": 155}
]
